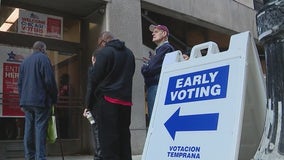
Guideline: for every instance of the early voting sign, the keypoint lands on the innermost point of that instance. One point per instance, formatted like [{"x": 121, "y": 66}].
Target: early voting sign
[{"x": 201, "y": 104}]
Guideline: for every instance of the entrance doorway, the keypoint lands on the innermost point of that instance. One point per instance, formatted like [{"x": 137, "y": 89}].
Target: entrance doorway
[{"x": 66, "y": 67}]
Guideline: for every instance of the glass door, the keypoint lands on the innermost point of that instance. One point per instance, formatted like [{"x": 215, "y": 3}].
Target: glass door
[
  {"x": 69, "y": 106},
  {"x": 68, "y": 110}
]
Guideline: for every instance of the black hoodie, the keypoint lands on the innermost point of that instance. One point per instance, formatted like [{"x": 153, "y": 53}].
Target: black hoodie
[{"x": 112, "y": 73}]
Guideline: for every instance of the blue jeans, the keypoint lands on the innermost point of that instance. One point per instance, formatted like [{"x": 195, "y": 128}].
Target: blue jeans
[
  {"x": 151, "y": 95},
  {"x": 36, "y": 122}
]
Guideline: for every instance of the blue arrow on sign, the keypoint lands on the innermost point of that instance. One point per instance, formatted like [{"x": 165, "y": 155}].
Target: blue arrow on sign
[{"x": 198, "y": 122}]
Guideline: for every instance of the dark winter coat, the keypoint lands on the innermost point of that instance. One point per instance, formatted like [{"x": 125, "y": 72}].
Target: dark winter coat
[
  {"x": 113, "y": 72},
  {"x": 151, "y": 71},
  {"x": 36, "y": 84}
]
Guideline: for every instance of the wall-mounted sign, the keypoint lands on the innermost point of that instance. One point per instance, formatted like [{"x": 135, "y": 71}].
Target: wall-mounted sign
[
  {"x": 38, "y": 24},
  {"x": 10, "y": 59}
]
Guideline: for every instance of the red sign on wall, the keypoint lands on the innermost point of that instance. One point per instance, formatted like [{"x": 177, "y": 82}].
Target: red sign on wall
[
  {"x": 53, "y": 27},
  {"x": 10, "y": 100}
]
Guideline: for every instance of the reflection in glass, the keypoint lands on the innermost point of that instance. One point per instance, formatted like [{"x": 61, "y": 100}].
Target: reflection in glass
[{"x": 66, "y": 69}]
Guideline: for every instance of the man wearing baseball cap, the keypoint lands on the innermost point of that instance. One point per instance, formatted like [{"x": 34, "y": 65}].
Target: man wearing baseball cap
[{"x": 153, "y": 64}]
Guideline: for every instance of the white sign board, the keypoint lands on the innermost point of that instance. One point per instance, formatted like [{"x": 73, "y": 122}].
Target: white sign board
[
  {"x": 199, "y": 106},
  {"x": 38, "y": 24}
]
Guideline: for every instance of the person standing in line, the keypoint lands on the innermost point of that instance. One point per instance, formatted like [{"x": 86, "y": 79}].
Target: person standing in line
[
  {"x": 112, "y": 81},
  {"x": 94, "y": 126},
  {"x": 37, "y": 92},
  {"x": 186, "y": 55},
  {"x": 152, "y": 66}
]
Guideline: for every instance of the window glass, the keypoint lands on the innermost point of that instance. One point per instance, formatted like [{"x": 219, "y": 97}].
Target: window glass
[
  {"x": 66, "y": 67},
  {"x": 68, "y": 111}
]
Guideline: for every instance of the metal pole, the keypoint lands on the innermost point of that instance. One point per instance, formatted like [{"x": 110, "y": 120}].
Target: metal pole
[{"x": 270, "y": 28}]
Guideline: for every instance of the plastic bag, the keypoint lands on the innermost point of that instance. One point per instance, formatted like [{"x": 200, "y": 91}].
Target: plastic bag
[{"x": 51, "y": 135}]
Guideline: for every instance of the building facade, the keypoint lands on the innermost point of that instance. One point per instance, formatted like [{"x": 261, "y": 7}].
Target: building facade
[{"x": 70, "y": 29}]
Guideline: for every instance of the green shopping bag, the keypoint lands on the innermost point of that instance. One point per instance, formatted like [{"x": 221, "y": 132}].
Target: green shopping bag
[{"x": 51, "y": 129}]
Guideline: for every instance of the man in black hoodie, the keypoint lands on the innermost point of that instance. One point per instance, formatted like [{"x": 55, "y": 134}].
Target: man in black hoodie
[{"x": 112, "y": 85}]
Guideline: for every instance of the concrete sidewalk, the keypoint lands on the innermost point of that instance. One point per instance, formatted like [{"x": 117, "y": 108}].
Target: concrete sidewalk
[
  {"x": 78, "y": 157},
  {"x": 85, "y": 157}
]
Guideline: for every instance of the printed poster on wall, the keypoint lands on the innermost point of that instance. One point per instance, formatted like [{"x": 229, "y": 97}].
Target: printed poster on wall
[
  {"x": 10, "y": 59},
  {"x": 38, "y": 24}
]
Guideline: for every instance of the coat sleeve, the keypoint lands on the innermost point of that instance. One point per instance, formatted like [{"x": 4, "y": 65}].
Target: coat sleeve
[
  {"x": 95, "y": 77},
  {"x": 49, "y": 80},
  {"x": 89, "y": 102},
  {"x": 20, "y": 81},
  {"x": 155, "y": 63}
]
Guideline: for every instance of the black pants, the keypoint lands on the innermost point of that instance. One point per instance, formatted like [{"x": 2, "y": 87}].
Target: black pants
[
  {"x": 114, "y": 134},
  {"x": 96, "y": 144}
]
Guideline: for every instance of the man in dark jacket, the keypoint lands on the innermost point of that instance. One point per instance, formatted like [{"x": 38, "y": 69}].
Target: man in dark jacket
[
  {"x": 112, "y": 83},
  {"x": 152, "y": 66},
  {"x": 37, "y": 91},
  {"x": 94, "y": 126}
]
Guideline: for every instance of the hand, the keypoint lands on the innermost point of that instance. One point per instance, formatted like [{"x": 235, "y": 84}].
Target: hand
[
  {"x": 85, "y": 112},
  {"x": 145, "y": 60}
]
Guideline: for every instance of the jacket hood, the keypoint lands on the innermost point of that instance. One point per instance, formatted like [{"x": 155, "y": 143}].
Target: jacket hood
[{"x": 116, "y": 44}]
